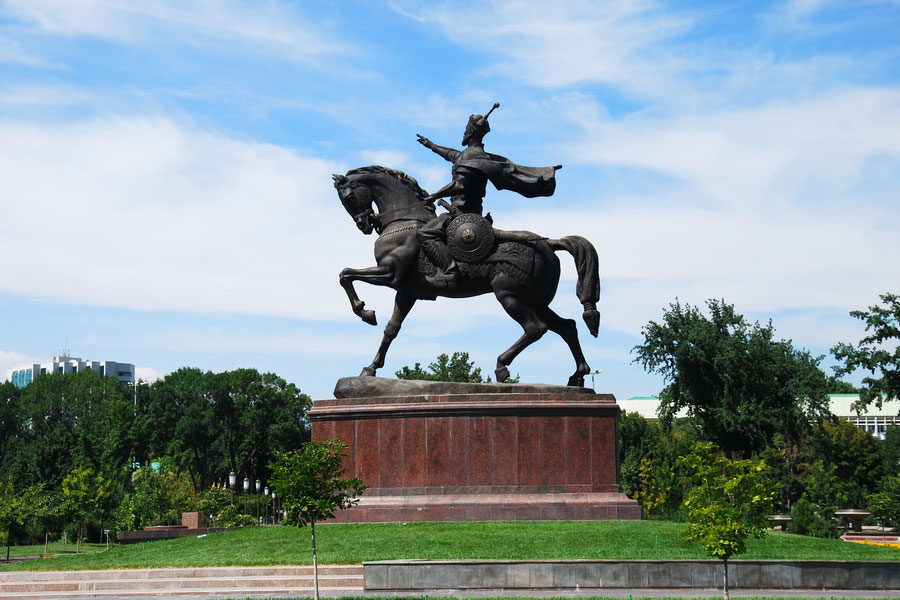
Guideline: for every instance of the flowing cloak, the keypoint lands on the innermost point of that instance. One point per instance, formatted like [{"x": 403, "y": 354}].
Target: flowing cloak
[{"x": 530, "y": 182}]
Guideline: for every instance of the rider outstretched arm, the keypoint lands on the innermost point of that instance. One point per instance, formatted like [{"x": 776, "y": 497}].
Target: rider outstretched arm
[{"x": 444, "y": 152}]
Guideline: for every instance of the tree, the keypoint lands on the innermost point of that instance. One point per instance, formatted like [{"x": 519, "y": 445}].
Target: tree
[
  {"x": 739, "y": 383},
  {"x": 446, "y": 368},
  {"x": 648, "y": 455},
  {"x": 84, "y": 495},
  {"x": 885, "y": 505},
  {"x": 730, "y": 501},
  {"x": 311, "y": 485},
  {"x": 823, "y": 494},
  {"x": 874, "y": 353},
  {"x": 852, "y": 453},
  {"x": 10, "y": 511}
]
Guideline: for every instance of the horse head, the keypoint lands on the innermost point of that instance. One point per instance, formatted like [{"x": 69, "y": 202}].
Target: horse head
[
  {"x": 396, "y": 195},
  {"x": 357, "y": 197}
]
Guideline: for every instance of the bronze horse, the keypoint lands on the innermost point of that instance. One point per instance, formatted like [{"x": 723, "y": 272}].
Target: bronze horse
[{"x": 523, "y": 275}]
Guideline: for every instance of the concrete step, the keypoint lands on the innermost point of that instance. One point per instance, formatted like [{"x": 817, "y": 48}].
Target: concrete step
[
  {"x": 169, "y": 573},
  {"x": 214, "y": 581}
]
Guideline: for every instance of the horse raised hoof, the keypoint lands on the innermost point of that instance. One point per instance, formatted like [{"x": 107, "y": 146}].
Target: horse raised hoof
[
  {"x": 367, "y": 372},
  {"x": 368, "y": 316},
  {"x": 502, "y": 374}
]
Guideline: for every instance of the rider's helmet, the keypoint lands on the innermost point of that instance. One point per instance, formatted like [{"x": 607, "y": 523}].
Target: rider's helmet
[{"x": 477, "y": 126}]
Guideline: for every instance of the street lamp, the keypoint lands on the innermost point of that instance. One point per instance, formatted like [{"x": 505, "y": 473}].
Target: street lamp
[
  {"x": 266, "y": 504},
  {"x": 246, "y": 489},
  {"x": 256, "y": 493},
  {"x": 594, "y": 372},
  {"x": 274, "y": 514},
  {"x": 232, "y": 478}
]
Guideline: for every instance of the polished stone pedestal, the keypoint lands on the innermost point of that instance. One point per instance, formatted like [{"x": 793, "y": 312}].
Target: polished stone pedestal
[{"x": 545, "y": 455}]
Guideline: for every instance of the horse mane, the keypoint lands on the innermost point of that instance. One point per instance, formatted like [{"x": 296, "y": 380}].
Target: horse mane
[{"x": 400, "y": 176}]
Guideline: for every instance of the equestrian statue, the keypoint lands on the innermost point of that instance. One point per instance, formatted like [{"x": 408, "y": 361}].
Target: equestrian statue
[{"x": 459, "y": 254}]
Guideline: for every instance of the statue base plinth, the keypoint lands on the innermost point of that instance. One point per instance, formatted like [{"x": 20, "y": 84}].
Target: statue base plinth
[{"x": 539, "y": 455}]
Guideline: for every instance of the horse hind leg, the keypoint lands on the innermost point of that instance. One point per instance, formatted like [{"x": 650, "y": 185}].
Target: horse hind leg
[
  {"x": 568, "y": 331},
  {"x": 534, "y": 327},
  {"x": 402, "y": 305}
]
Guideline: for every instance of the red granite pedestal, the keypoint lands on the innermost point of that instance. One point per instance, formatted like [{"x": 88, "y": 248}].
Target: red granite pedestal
[{"x": 480, "y": 457}]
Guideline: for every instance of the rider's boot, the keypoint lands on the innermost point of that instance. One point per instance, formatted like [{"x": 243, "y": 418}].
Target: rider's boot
[{"x": 445, "y": 270}]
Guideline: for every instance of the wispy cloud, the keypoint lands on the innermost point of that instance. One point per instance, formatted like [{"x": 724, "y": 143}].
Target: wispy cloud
[
  {"x": 569, "y": 43},
  {"x": 144, "y": 213},
  {"x": 271, "y": 27},
  {"x": 811, "y": 151}
]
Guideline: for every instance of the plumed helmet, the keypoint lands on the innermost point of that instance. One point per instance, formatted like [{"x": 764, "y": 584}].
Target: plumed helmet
[{"x": 478, "y": 124}]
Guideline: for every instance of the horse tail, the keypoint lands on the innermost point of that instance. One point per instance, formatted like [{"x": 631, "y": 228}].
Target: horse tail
[{"x": 588, "y": 266}]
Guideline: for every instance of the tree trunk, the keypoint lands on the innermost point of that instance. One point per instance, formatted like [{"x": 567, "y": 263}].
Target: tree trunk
[
  {"x": 8, "y": 541},
  {"x": 725, "y": 581},
  {"x": 312, "y": 525},
  {"x": 46, "y": 541}
]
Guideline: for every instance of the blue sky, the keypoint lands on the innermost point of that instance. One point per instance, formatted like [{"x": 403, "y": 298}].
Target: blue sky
[{"x": 166, "y": 166}]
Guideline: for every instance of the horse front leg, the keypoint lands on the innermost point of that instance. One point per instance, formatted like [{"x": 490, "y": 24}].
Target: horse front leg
[
  {"x": 402, "y": 305},
  {"x": 380, "y": 275}
]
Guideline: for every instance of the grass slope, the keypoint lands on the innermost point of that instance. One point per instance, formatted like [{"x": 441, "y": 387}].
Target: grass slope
[{"x": 348, "y": 544}]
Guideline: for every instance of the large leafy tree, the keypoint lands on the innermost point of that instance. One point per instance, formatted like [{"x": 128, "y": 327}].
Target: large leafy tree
[
  {"x": 213, "y": 423},
  {"x": 69, "y": 419},
  {"x": 729, "y": 502},
  {"x": 740, "y": 384},
  {"x": 312, "y": 485},
  {"x": 852, "y": 453},
  {"x": 878, "y": 353}
]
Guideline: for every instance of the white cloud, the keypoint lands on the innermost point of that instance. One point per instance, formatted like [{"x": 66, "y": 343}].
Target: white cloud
[
  {"x": 147, "y": 374},
  {"x": 144, "y": 213},
  {"x": 11, "y": 51},
  {"x": 267, "y": 27},
  {"x": 13, "y": 360},
  {"x": 570, "y": 43},
  {"x": 761, "y": 156}
]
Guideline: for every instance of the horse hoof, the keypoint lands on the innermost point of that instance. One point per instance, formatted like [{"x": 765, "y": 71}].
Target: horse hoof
[
  {"x": 576, "y": 380},
  {"x": 369, "y": 317},
  {"x": 502, "y": 374},
  {"x": 367, "y": 372}
]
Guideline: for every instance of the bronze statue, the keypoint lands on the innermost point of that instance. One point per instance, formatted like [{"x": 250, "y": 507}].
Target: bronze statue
[
  {"x": 472, "y": 169},
  {"x": 459, "y": 254}
]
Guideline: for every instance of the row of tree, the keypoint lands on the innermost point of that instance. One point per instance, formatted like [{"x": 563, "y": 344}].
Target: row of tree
[
  {"x": 146, "y": 451},
  {"x": 756, "y": 396}
]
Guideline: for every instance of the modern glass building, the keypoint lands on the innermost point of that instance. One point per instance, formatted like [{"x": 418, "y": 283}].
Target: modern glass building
[{"x": 22, "y": 376}]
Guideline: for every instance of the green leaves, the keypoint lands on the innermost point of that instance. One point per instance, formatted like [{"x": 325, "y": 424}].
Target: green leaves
[
  {"x": 730, "y": 501},
  {"x": 445, "y": 368},
  {"x": 741, "y": 384},
  {"x": 310, "y": 482},
  {"x": 878, "y": 353}
]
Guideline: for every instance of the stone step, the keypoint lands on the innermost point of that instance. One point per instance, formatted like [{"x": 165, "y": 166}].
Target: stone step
[
  {"x": 214, "y": 581},
  {"x": 169, "y": 573},
  {"x": 192, "y": 593}
]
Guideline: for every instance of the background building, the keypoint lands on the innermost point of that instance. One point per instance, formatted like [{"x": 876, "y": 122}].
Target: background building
[
  {"x": 873, "y": 419},
  {"x": 22, "y": 376}
]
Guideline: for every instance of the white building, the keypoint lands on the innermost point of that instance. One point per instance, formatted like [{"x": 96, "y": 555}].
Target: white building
[
  {"x": 873, "y": 420},
  {"x": 22, "y": 376}
]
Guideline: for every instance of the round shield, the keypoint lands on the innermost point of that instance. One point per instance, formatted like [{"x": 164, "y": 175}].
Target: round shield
[{"x": 470, "y": 237}]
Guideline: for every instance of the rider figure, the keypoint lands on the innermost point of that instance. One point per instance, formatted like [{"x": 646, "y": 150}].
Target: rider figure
[{"x": 472, "y": 168}]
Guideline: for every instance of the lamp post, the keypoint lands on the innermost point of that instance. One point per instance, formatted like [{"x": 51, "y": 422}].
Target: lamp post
[
  {"x": 274, "y": 513},
  {"x": 256, "y": 493},
  {"x": 594, "y": 372},
  {"x": 232, "y": 478},
  {"x": 246, "y": 489},
  {"x": 266, "y": 504}
]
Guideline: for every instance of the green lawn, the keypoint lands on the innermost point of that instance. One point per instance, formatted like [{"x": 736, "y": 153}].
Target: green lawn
[
  {"x": 53, "y": 548},
  {"x": 347, "y": 544}
]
